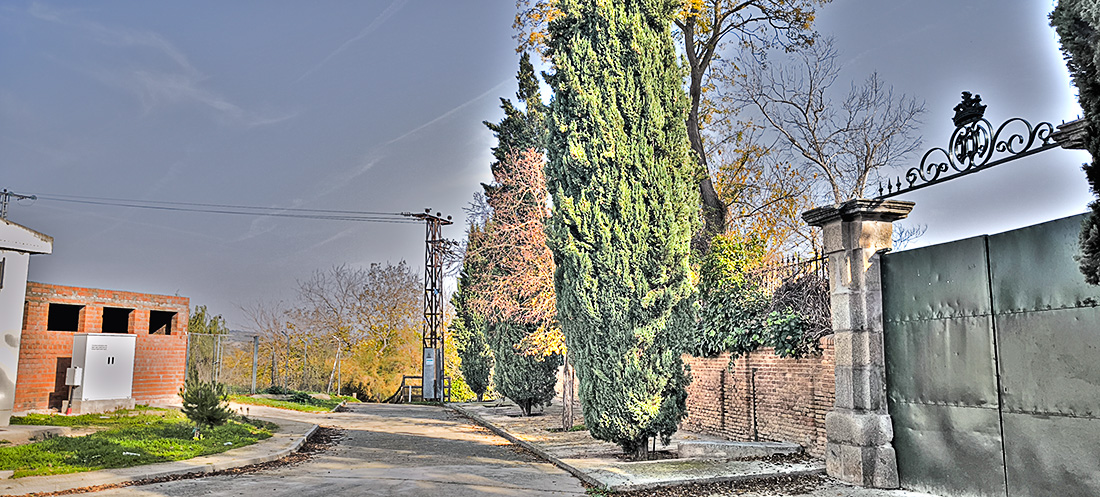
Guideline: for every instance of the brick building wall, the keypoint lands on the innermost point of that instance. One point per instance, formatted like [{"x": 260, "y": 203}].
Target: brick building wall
[
  {"x": 44, "y": 354},
  {"x": 792, "y": 397}
]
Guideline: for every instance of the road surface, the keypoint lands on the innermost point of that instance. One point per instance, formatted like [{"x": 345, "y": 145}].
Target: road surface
[{"x": 390, "y": 450}]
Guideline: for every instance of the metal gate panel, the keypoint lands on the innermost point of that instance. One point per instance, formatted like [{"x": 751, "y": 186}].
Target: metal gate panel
[
  {"x": 1048, "y": 340},
  {"x": 946, "y": 280},
  {"x": 1052, "y": 455},
  {"x": 948, "y": 450},
  {"x": 941, "y": 369},
  {"x": 1034, "y": 269},
  {"x": 947, "y": 361},
  {"x": 1049, "y": 362}
]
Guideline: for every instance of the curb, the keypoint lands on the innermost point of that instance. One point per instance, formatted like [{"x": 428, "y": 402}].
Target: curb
[
  {"x": 73, "y": 481},
  {"x": 585, "y": 477},
  {"x": 596, "y": 482}
]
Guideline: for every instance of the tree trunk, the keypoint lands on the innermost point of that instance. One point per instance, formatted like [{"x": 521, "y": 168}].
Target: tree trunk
[
  {"x": 273, "y": 366},
  {"x": 567, "y": 394},
  {"x": 714, "y": 210},
  {"x": 641, "y": 452}
]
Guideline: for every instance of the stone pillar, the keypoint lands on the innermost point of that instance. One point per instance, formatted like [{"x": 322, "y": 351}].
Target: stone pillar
[{"x": 859, "y": 432}]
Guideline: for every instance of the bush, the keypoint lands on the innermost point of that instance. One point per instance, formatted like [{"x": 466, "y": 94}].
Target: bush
[
  {"x": 277, "y": 390},
  {"x": 205, "y": 404},
  {"x": 737, "y": 316},
  {"x": 302, "y": 398}
]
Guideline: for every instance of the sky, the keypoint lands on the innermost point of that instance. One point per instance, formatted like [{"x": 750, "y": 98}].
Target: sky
[{"x": 378, "y": 106}]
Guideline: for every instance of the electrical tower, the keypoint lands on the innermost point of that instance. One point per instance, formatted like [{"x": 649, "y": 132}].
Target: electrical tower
[{"x": 435, "y": 246}]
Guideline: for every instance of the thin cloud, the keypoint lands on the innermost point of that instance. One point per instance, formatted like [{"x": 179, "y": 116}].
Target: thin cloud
[
  {"x": 373, "y": 157},
  {"x": 378, "y": 21},
  {"x": 115, "y": 36},
  {"x": 156, "y": 87},
  {"x": 447, "y": 114}
]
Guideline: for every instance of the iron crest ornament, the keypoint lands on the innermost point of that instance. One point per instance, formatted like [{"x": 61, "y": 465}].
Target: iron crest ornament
[
  {"x": 969, "y": 111},
  {"x": 974, "y": 146}
]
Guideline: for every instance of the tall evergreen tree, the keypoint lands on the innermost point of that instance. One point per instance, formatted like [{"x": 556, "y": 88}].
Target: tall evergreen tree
[
  {"x": 509, "y": 257},
  {"x": 1078, "y": 25},
  {"x": 520, "y": 130},
  {"x": 469, "y": 332},
  {"x": 621, "y": 179}
]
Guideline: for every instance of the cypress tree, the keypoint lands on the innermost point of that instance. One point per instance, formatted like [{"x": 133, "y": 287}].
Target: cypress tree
[
  {"x": 468, "y": 330},
  {"x": 528, "y": 380},
  {"x": 520, "y": 130},
  {"x": 621, "y": 178},
  {"x": 1078, "y": 25}
]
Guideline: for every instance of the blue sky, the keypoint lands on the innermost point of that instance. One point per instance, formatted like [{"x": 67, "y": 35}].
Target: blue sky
[{"x": 378, "y": 106}]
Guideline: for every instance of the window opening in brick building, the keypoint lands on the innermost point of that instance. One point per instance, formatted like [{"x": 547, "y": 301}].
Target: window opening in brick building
[
  {"x": 63, "y": 317},
  {"x": 160, "y": 322},
  {"x": 116, "y": 320}
]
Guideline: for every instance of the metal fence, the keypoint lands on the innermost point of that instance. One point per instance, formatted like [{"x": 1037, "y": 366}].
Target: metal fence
[
  {"x": 772, "y": 276},
  {"x": 802, "y": 285},
  {"x": 229, "y": 359}
]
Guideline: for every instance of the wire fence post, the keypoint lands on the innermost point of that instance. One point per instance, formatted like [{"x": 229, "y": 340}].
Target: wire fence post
[{"x": 255, "y": 360}]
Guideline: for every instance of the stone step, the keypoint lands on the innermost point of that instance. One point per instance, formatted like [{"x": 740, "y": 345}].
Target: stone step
[{"x": 734, "y": 450}]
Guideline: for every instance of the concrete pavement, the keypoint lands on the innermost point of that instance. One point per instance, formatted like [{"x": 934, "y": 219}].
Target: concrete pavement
[
  {"x": 597, "y": 464},
  {"x": 399, "y": 450}
]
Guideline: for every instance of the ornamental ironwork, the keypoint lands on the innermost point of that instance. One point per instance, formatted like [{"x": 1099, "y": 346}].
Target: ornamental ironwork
[{"x": 975, "y": 146}]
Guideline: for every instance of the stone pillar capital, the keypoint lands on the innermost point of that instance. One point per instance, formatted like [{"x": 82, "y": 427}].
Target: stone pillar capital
[{"x": 859, "y": 209}]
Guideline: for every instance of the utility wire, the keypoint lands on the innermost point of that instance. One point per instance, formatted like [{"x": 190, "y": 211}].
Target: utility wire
[
  {"x": 241, "y": 210},
  {"x": 55, "y": 196}
]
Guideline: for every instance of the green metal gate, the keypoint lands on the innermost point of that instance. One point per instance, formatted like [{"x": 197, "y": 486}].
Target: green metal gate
[{"x": 992, "y": 349}]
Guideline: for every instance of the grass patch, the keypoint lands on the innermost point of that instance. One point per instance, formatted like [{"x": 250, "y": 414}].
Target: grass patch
[
  {"x": 302, "y": 402},
  {"x": 131, "y": 438},
  {"x": 122, "y": 417}
]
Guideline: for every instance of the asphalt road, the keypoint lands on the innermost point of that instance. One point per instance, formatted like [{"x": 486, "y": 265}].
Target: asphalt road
[{"x": 391, "y": 450}]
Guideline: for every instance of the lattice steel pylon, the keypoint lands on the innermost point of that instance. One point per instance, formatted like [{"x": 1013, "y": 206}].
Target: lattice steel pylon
[{"x": 435, "y": 246}]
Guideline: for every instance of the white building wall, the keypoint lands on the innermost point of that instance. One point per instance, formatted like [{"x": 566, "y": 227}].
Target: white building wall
[
  {"x": 17, "y": 243},
  {"x": 12, "y": 295}
]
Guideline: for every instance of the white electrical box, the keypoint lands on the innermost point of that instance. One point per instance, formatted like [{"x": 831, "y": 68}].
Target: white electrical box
[
  {"x": 107, "y": 360},
  {"x": 73, "y": 376}
]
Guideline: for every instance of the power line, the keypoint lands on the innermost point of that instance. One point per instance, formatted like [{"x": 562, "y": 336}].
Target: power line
[
  {"x": 240, "y": 210},
  {"x": 55, "y": 196}
]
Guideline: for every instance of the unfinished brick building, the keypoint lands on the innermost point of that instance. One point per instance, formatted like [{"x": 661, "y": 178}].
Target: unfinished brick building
[{"x": 53, "y": 314}]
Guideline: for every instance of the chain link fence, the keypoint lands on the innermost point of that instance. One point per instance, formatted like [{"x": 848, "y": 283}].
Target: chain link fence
[
  {"x": 248, "y": 364},
  {"x": 229, "y": 359}
]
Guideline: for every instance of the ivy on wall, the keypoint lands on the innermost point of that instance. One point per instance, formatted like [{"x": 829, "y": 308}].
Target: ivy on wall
[{"x": 738, "y": 315}]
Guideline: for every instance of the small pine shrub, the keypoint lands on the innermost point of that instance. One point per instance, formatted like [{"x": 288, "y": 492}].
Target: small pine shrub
[
  {"x": 278, "y": 390},
  {"x": 205, "y": 404},
  {"x": 302, "y": 398}
]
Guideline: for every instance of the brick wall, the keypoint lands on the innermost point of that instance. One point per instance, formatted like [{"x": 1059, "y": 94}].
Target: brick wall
[
  {"x": 792, "y": 397},
  {"x": 159, "y": 360}
]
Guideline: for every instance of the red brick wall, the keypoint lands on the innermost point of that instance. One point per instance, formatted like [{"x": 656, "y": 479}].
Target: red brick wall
[
  {"x": 792, "y": 397},
  {"x": 159, "y": 360}
]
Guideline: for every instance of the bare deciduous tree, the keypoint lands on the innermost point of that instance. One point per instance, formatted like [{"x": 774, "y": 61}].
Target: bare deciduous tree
[{"x": 845, "y": 144}]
